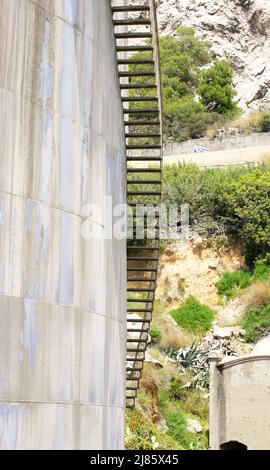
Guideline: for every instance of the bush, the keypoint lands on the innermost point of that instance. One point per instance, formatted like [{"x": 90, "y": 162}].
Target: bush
[
  {"x": 156, "y": 334},
  {"x": 176, "y": 420},
  {"x": 264, "y": 123},
  {"x": 193, "y": 316},
  {"x": 232, "y": 282},
  {"x": 261, "y": 271},
  {"x": 256, "y": 322},
  {"x": 183, "y": 58},
  {"x": 232, "y": 202}
]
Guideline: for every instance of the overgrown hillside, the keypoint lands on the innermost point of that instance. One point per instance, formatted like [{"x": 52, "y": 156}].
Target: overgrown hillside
[{"x": 213, "y": 293}]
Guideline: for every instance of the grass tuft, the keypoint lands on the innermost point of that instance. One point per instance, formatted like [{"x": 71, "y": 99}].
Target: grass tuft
[{"x": 194, "y": 316}]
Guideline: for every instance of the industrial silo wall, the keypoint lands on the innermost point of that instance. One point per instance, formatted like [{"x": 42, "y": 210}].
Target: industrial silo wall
[{"x": 62, "y": 297}]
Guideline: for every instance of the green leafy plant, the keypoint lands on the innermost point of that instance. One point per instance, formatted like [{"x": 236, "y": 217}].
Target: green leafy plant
[
  {"x": 183, "y": 58},
  {"x": 264, "y": 123},
  {"x": 155, "y": 334},
  {"x": 232, "y": 282},
  {"x": 193, "y": 316},
  {"x": 256, "y": 322}
]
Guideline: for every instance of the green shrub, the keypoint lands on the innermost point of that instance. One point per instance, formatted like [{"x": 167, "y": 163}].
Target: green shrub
[
  {"x": 264, "y": 123},
  {"x": 183, "y": 58},
  {"x": 232, "y": 282},
  {"x": 261, "y": 271},
  {"x": 142, "y": 434},
  {"x": 193, "y": 316},
  {"x": 176, "y": 420},
  {"x": 256, "y": 322},
  {"x": 156, "y": 334},
  {"x": 231, "y": 202}
]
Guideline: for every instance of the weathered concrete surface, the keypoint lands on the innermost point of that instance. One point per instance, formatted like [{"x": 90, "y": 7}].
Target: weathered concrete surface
[
  {"x": 62, "y": 298},
  {"x": 239, "y": 402}
]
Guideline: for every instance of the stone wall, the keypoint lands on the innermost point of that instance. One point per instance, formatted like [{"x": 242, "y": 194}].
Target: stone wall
[{"x": 62, "y": 298}]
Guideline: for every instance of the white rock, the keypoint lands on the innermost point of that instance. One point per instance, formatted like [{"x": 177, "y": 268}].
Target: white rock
[
  {"x": 194, "y": 426},
  {"x": 213, "y": 264},
  {"x": 222, "y": 333}
]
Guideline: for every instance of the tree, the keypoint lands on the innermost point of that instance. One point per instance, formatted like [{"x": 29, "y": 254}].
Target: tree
[
  {"x": 216, "y": 89},
  {"x": 193, "y": 99}
]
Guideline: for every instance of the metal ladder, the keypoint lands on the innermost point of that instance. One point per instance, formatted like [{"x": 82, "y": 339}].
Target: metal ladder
[{"x": 140, "y": 83}]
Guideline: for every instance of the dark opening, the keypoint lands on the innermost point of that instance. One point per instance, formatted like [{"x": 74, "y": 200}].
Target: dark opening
[{"x": 233, "y": 445}]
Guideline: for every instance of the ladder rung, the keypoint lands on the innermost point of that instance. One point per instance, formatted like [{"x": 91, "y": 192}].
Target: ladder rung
[
  {"x": 140, "y": 111},
  {"x": 139, "y": 310},
  {"x": 139, "y": 247},
  {"x": 135, "y": 61},
  {"x": 143, "y": 147},
  {"x": 132, "y": 22},
  {"x": 131, "y": 388},
  {"x": 131, "y": 99},
  {"x": 140, "y": 279},
  {"x": 144, "y": 193},
  {"x": 142, "y": 123},
  {"x": 142, "y": 258},
  {"x": 126, "y": 8},
  {"x": 144, "y": 181},
  {"x": 134, "y": 49},
  {"x": 131, "y": 35},
  {"x": 144, "y": 170},
  {"x": 136, "y": 74},
  {"x": 144, "y": 159},
  {"x": 141, "y": 136},
  {"x": 134, "y": 86}
]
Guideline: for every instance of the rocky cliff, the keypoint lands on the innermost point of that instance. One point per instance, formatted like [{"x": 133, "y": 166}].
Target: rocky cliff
[{"x": 239, "y": 31}]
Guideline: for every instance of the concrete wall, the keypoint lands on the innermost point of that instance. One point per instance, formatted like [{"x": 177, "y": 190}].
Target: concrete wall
[
  {"x": 62, "y": 298},
  {"x": 239, "y": 402},
  {"x": 217, "y": 144}
]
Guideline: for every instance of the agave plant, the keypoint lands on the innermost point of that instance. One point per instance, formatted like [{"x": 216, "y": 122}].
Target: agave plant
[{"x": 195, "y": 359}]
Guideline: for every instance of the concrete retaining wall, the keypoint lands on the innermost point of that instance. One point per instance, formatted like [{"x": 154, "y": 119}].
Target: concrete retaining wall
[
  {"x": 220, "y": 143},
  {"x": 239, "y": 402},
  {"x": 62, "y": 298}
]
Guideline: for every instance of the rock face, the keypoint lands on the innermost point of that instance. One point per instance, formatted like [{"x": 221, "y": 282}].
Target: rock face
[{"x": 239, "y": 31}]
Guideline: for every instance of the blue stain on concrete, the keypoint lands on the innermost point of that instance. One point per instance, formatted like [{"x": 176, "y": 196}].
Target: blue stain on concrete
[
  {"x": 9, "y": 424},
  {"x": 30, "y": 331},
  {"x": 71, "y": 10},
  {"x": 45, "y": 67},
  {"x": 66, "y": 284}
]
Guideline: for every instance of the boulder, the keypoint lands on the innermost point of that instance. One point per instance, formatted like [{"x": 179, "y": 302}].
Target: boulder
[{"x": 194, "y": 426}]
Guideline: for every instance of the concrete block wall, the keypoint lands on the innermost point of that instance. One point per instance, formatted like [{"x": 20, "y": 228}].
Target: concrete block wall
[{"x": 62, "y": 298}]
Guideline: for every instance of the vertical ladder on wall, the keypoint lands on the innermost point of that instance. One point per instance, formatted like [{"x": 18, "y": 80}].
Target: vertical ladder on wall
[{"x": 136, "y": 31}]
